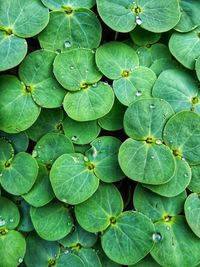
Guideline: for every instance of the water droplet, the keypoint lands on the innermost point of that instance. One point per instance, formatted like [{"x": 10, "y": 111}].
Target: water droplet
[
  {"x": 106, "y": 83},
  {"x": 93, "y": 51},
  {"x": 85, "y": 159},
  {"x": 168, "y": 228},
  {"x": 138, "y": 20},
  {"x": 34, "y": 153},
  {"x": 72, "y": 67},
  {"x": 67, "y": 44},
  {"x": 2, "y": 222},
  {"x": 86, "y": 71},
  {"x": 171, "y": 141},
  {"x": 74, "y": 138},
  {"x": 158, "y": 142},
  {"x": 186, "y": 175},
  {"x": 183, "y": 159},
  {"x": 1, "y": 174},
  {"x": 20, "y": 260},
  {"x": 138, "y": 52},
  {"x": 39, "y": 147},
  {"x": 11, "y": 220},
  {"x": 152, "y": 157},
  {"x": 94, "y": 84},
  {"x": 157, "y": 237},
  {"x": 152, "y": 106},
  {"x": 138, "y": 93}
]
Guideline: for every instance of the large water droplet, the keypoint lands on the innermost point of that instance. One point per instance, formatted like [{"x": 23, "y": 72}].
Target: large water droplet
[
  {"x": 138, "y": 20},
  {"x": 74, "y": 138},
  {"x": 2, "y": 222},
  {"x": 138, "y": 93},
  {"x": 67, "y": 44},
  {"x": 157, "y": 237}
]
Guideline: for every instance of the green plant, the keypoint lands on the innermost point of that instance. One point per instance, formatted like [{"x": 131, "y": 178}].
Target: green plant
[{"x": 99, "y": 133}]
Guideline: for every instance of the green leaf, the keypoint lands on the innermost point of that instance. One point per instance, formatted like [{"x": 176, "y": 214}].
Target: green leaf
[
  {"x": 129, "y": 239},
  {"x": 103, "y": 154},
  {"x": 178, "y": 183},
  {"x": 79, "y": 238},
  {"x": 19, "y": 174},
  {"x": 74, "y": 131},
  {"x": 192, "y": 208},
  {"x": 49, "y": 120},
  {"x": 79, "y": 64},
  {"x": 163, "y": 64},
  {"x": 19, "y": 141},
  {"x": 51, "y": 222},
  {"x": 43, "y": 252},
  {"x": 175, "y": 238},
  {"x": 89, "y": 257},
  {"x": 154, "y": 16},
  {"x": 176, "y": 87},
  {"x": 134, "y": 86},
  {"x": 91, "y": 103},
  {"x": 9, "y": 214},
  {"x": 12, "y": 50},
  {"x": 62, "y": 4},
  {"x": 143, "y": 37},
  {"x": 147, "y": 160},
  {"x": 41, "y": 193},
  {"x": 105, "y": 261},
  {"x": 181, "y": 134},
  {"x": 12, "y": 248},
  {"x": 23, "y": 18},
  {"x": 50, "y": 147},
  {"x": 148, "y": 261},
  {"x": 69, "y": 260},
  {"x": 98, "y": 212},
  {"x": 197, "y": 68},
  {"x": 185, "y": 47},
  {"x": 113, "y": 120},
  {"x": 189, "y": 15},
  {"x": 194, "y": 185},
  {"x": 157, "y": 207},
  {"x": 36, "y": 71},
  {"x": 72, "y": 178},
  {"x": 145, "y": 119},
  {"x": 6, "y": 153},
  {"x": 70, "y": 29},
  {"x": 18, "y": 111},
  {"x": 25, "y": 224},
  {"x": 116, "y": 60}
]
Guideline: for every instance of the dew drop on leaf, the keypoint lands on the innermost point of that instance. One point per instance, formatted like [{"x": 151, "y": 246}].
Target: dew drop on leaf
[
  {"x": 152, "y": 157},
  {"x": 20, "y": 260},
  {"x": 86, "y": 71},
  {"x": 94, "y": 85},
  {"x": 138, "y": 93},
  {"x": 74, "y": 138},
  {"x": 2, "y": 222},
  {"x": 72, "y": 67},
  {"x": 157, "y": 237},
  {"x": 158, "y": 142},
  {"x": 11, "y": 220},
  {"x": 168, "y": 228},
  {"x": 67, "y": 44},
  {"x": 152, "y": 106},
  {"x": 1, "y": 174},
  {"x": 138, "y": 20},
  {"x": 186, "y": 175}
]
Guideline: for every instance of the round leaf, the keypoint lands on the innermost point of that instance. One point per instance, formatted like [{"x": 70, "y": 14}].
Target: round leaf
[
  {"x": 116, "y": 60},
  {"x": 173, "y": 235},
  {"x": 51, "y": 222},
  {"x": 157, "y": 207},
  {"x": 43, "y": 252},
  {"x": 148, "y": 261},
  {"x": 36, "y": 71},
  {"x": 192, "y": 208},
  {"x": 6, "y": 153},
  {"x": 9, "y": 214},
  {"x": 104, "y": 156},
  {"x": 19, "y": 141},
  {"x": 194, "y": 185},
  {"x": 69, "y": 260},
  {"x": 96, "y": 213},
  {"x": 12, "y": 50},
  {"x": 140, "y": 161},
  {"x": 74, "y": 131},
  {"x": 19, "y": 174},
  {"x": 12, "y": 248},
  {"x": 176, "y": 87},
  {"x": 89, "y": 257},
  {"x": 18, "y": 111},
  {"x": 70, "y": 29},
  {"x": 143, "y": 37},
  {"x": 145, "y": 119},
  {"x": 72, "y": 179},
  {"x": 89, "y": 104},
  {"x": 129, "y": 239},
  {"x": 185, "y": 47},
  {"x": 181, "y": 134}
]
